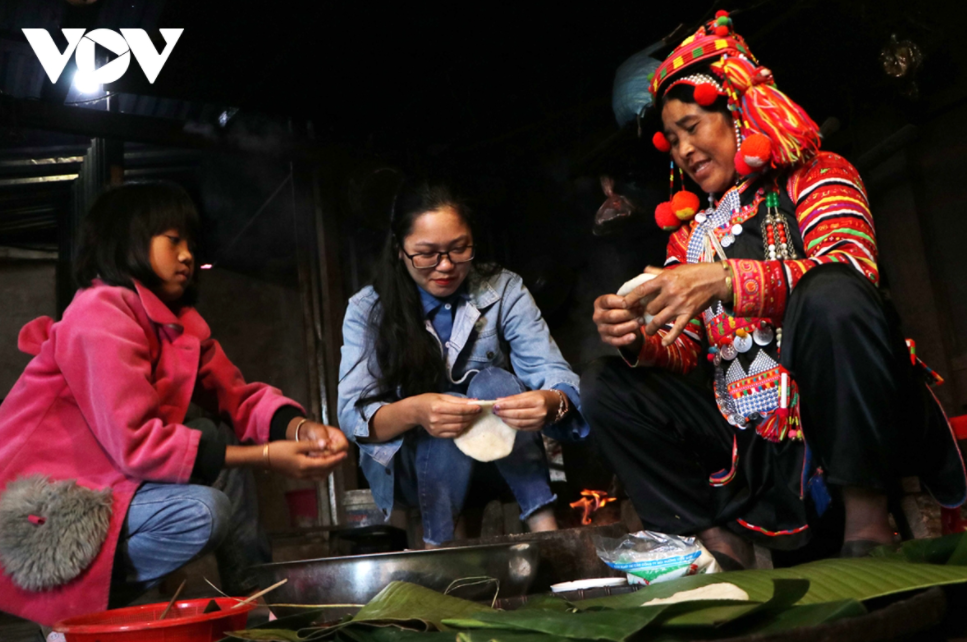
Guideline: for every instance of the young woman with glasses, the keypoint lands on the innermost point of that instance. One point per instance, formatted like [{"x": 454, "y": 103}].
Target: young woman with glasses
[{"x": 434, "y": 330}]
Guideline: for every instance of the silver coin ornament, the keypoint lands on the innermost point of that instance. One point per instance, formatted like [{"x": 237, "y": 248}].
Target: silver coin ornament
[
  {"x": 736, "y": 229},
  {"x": 742, "y": 344},
  {"x": 728, "y": 352},
  {"x": 727, "y": 240},
  {"x": 701, "y": 218},
  {"x": 763, "y": 336},
  {"x": 738, "y": 421}
]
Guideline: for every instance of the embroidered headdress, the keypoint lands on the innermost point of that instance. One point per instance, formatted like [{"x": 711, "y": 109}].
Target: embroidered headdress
[{"x": 773, "y": 131}]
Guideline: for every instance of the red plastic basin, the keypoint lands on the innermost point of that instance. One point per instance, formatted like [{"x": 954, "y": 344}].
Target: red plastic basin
[{"x": 186, "y": 622}]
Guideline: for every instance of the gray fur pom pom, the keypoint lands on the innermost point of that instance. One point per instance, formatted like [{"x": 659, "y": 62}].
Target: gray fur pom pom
[{"x": 50, "y": 531}]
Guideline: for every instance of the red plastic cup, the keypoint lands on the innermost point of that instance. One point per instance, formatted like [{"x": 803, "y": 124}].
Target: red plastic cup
[{"x": 303, "y": 507}]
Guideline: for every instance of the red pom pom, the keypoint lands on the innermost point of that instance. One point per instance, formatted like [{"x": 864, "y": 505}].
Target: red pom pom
[
  {"x": 756, "y": 150},
  {"x": 721, "y": 31},
  {"x": 705, "y": 94},
  {"x": 685, "y": 205},
  {"x": 665, "y": 218},
  {"x": 660, "y": 142},
  {"x": 741, "y": 166},
  {"x": 721, "y": 13}
]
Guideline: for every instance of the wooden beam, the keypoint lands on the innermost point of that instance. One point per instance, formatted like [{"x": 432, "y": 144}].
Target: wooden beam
[{"x": 33, "y": 114}]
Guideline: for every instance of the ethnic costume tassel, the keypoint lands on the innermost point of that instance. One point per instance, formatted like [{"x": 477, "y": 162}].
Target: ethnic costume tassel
[
  {"x": 680, "y": 207},
  {"x": 775, "y": 231},
  {"x": 766, "y": 110}
]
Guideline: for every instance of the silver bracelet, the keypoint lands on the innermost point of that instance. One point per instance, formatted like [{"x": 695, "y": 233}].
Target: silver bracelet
[
  {"x": 298, "y": 426},
  {"x": 562, "y": 407}
]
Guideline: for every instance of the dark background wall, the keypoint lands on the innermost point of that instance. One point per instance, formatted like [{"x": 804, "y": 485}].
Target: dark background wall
[{"x": 27, "y": 291}]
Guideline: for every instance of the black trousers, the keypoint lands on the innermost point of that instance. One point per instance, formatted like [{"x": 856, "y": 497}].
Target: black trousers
[{"x": 867, "y": 418}]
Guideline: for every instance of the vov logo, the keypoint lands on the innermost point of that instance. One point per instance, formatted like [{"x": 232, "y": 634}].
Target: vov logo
[{"x": 123, "y": 45}]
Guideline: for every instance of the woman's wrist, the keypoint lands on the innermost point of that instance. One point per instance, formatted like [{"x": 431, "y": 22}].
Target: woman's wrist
[
  {"x": 394, "y": 419},
  {"x": 247, "y": 456},
  {"x": 558, "y": 406},
  {"x": 726, "y": 291},
  {"x": 295, "y": 425}
]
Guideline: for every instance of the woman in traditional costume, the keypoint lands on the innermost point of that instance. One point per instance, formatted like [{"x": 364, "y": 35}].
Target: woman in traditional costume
[{"x": 775, "y": 283}]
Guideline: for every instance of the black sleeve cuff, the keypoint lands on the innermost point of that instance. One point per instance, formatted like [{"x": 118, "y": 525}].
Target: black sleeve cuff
[
  {"x": 280, "y": 422},
  {"x": 209, "y": 461}
]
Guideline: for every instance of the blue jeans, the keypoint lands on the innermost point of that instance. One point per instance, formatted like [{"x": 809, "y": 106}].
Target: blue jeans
[
  {"x": 434, "y": 474},
  {"x": 168, "y": 525}
]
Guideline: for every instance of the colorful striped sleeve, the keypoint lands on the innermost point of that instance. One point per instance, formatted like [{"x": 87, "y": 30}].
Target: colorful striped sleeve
[
  {"x": 682, "y": 355},
  {"x": 834, "y": 218}
]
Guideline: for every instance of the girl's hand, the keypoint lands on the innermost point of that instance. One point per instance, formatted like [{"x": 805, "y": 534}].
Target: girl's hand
[
  {"x": 334, "y": 438},
  {"x": 528, "y": 410},
  {"x": 680, "y": 295},
  {"x": 303, "y": 459},
  {"x": 444, "y": 416}
]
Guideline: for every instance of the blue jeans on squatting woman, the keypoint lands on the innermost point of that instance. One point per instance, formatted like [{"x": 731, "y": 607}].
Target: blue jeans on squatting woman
[
  {"x": 434, "y": 475},
  {"x": 169, "y": 525}
]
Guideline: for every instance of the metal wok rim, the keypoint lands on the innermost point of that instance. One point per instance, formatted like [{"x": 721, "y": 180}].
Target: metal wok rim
[{"x": 522, "y": 546}]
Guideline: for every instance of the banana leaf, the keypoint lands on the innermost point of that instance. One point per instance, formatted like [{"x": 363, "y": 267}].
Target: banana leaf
[
  {"x": 801, "y": 616},
  {"x": 619, "y": 625},
  {"x": 265, "y": 635},
  {"x": 949, "y": 549},
  {"x": 404, "y": 602},
  {"x": 547, "y": 603},
  {"x": 829, "y": 581}
]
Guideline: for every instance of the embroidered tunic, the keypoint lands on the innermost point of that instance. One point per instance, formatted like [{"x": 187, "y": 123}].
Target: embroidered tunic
[{"x": 832, "y": 224}]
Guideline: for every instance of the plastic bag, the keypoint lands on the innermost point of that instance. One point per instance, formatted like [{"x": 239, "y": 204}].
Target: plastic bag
[{"x": 648, "y": 557}]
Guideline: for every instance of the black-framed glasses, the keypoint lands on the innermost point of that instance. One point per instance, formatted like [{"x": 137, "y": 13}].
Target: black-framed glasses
[{"x": 427, "y": 260}]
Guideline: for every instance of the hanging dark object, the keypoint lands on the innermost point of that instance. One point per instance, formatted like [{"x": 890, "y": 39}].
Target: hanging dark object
[{"x": 902, "y": 59}]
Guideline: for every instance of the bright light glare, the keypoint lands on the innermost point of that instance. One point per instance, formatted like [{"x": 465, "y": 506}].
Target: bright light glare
[
  {"x": 206, "y": 266},
  {"x": 85, "y": 83}
]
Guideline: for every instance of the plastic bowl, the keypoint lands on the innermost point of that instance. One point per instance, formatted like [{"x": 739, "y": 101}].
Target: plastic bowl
[{"x": 186, "y": 622}]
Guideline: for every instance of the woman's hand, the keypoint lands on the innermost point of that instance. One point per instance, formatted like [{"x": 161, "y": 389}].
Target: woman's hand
[
  {"x": 444, "y": 416},
  {"x": 528, "y": 410},
  {"x": 617, "y": 325},
  {"x": 680, "y": 294},
  {"x": 303, "y": 459},
  {"x": 334, "y": 438}
]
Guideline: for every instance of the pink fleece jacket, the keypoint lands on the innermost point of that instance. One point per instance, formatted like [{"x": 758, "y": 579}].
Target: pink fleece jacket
[{"x": 103, "y": 402}]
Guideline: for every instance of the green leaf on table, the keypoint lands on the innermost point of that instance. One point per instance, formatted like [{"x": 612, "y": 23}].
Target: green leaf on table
[
  {"x": 938, "y": 550},
  {"x": 405, "y": 602},
  {"x": 593, "y": 625},
  {"x": 829, "y": 581},
  {"x": 294, "y": 622},
  {"x": 803, "y": 616},
  {"x": 547, "y": 603},
  {"x": 363, "y": 633},
  {"x": 265, "y": 635},
  {"x": 785, "y": 593},
  {"x": 959, "y": 556},
  {"x": 489, "y": 635}
]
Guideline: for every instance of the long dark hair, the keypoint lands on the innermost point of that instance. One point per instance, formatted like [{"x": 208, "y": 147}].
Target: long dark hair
[
  {"x": 116, "y": 234},
  {"x": 408, "y": 357}
]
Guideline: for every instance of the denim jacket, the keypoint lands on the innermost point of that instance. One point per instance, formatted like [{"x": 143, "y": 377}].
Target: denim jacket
[{"x": 498, "y": 325}]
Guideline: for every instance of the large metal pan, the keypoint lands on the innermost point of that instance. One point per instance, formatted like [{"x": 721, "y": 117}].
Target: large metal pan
[{"x": 358, "y": 578}]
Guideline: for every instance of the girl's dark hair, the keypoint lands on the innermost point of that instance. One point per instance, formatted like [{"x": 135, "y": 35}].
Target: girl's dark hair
[
  {"x": 115, "y": 238},
  {"x": 409, "y": 358}
]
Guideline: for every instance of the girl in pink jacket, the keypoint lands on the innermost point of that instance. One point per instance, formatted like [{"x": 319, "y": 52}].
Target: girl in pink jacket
[{"x": 103, "y": 488}]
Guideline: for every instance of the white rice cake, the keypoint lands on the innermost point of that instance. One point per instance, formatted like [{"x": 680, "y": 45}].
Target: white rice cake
[
  {"x": 488, "y": 438},
  {"x": 718, "y": 591},
  {"x": 626, "y": 289}
]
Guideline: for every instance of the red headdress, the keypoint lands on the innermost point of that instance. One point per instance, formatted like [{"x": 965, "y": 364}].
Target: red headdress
[{"x": 773, "y": 130}]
